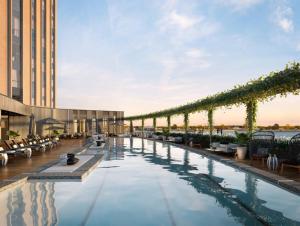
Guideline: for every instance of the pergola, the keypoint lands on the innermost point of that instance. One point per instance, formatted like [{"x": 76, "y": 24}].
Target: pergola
[{"x": 262, "y": 89}]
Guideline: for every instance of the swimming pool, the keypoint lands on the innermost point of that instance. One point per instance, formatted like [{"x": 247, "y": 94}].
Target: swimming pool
[{"x": 142, "y": 182}]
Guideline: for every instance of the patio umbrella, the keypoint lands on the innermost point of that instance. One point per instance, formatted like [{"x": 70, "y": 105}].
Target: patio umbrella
[
  {"x": 32, "y": 125},
  {"x": 54, "y": 128},
  {"x": 49, "y": 121}
]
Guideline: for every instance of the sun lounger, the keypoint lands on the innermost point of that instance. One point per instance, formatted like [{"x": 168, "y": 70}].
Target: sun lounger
[
  {"x": 3, "y": 157},
  {"x": 18, "y": 150}
]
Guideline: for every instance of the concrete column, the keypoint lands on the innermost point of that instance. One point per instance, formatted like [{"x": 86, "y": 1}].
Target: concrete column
[
  {"x": 154, "y": 125},
  {"x": 143, "y": 123},
  {"x": 169, "y": 123},
  {"x": 131, "y": 127}
]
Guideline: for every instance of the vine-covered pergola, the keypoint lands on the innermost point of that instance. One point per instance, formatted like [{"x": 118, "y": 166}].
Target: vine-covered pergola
[{"x": 262, "y": 89}]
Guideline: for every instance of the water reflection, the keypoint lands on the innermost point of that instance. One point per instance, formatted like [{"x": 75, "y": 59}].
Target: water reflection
[
  {"x": 244, "y": 207},
  {"x": 31, "y": 204}
]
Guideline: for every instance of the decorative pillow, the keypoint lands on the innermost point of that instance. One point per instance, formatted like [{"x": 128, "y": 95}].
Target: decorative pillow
[{"x": 262, "y": 151}]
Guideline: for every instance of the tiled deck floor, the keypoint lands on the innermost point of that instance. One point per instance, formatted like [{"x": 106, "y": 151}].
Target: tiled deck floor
[
  {"x": 19, "y": 164},
  {"x": 289, "y": 173}
]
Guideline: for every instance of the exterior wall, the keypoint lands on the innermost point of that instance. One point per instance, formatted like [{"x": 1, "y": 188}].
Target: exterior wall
[
  {"x": 3, "y": 46},
  {"x": 26, "y": 51},
  {"x": 48, "y": 52},
  {"x": 38, "y": 53},
  {"x": 0, "y": 125},
  {"x": 84, "y": 121},
  {"x": 26, "y": 38}
]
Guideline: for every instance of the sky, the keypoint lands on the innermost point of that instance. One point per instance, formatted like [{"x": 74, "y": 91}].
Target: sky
[{"x": 141, "y": 56}]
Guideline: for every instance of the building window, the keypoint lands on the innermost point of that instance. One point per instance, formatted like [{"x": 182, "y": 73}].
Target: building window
[
  {"x": 52, "y": 79},
  {"x": 16, "y": 71},
  {"x": 33, "y": 52},
  {"x": 43, "y": 30}
]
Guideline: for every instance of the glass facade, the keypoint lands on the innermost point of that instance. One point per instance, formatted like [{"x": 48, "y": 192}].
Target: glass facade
[
  {"x": 33, "y": 52},
  {"x": 52, "y": 88},
  {"x": 16, "y": 60},
  {"x": 44, "y": 74}
]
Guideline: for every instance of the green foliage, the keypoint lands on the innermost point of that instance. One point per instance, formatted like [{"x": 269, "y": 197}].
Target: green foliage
[
  {"x": 13, "y": 134},
  {"x": 262, "y": 89},
  {"x": 154, "y": 124},
  {"x": 242, "y": 138},
  {"x": 280, "y": 148},
  {"x": 143, "y": 124},
  {"x": 186, "y": 122},
  {"x": 169, "y": 122},
  {"x": 165, "y": 132},
  {"x": 210, "y": 121},
  {"x": 55, "y": 132},
  {"x": 131, "y": 126},
  {"x": 251, "y": 110}
]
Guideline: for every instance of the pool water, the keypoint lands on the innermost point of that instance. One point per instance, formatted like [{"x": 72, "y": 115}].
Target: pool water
[{"x": 142, "y": 182}]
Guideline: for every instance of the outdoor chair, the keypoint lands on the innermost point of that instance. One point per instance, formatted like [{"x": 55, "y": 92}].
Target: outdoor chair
[
  {"x": 34, "y": 147},
  {"x": 43, "y": 141},
  {"x": 3, "y": 157},
  {"x": 260, "y": 144},
  {"x": 292, "y": 158},
  {"x": 18, "y": 150}
]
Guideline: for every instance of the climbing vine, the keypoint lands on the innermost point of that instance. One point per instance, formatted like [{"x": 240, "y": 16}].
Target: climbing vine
[
  {"x": 169, "y": 123},
  {"x": 186, "y": 122},
  {"x": 143, "y": 123},
  {"x": 251, "y": 110},
  {"x": 210, "y": 121},
  {"x": 154, "y": 124},
  {"x": 262, "y": 89},
  {"x": 131, "y": 126}
]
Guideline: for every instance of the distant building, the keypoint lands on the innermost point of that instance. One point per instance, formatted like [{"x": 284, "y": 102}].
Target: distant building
[{"x": 28, "y": 78}]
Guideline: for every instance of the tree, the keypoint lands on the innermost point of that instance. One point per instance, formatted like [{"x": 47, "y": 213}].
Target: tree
[
  {"x": 174, "y": 127},
  {"x": 275, "y": 126}
]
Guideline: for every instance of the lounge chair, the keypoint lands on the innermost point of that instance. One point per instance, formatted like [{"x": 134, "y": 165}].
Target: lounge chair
[
  {"x": 18, "y": 149},
  {"x": 292, "y": 158},
  {"x": 3, "y": 157},
  {"x": 34, "y": 147},
  {"x": 260, "y": 144}
]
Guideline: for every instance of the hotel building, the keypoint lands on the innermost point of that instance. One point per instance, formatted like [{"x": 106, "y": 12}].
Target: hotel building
[{"x": 28, "y": 73}]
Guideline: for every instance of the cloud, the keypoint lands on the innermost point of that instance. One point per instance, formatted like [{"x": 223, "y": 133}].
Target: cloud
[
  {"x": 282, "y": 17},
  {"x": 183, "y": 22},
  {"x": 240, "y": 4},
  {"x": 184, "y": 27}
]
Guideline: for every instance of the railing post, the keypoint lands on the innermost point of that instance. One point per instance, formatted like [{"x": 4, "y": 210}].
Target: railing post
[
  {"x": 251, "y": 109},
  {"x": 154, "y": 124},
  {"x": 210, "y": 123}
]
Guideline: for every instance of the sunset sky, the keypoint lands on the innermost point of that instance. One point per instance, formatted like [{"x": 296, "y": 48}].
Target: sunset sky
[{"x": 143, "y": 56}]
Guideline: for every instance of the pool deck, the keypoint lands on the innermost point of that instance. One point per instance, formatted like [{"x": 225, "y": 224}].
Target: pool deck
[
  {"x": 48, "y": 165},
  {"x": 292, "y": 185}
]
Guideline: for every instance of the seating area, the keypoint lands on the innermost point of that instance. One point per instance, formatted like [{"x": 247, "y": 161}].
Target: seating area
[
  {"x": 26, "y": 147},
  {"x": 262, "y": 149}
]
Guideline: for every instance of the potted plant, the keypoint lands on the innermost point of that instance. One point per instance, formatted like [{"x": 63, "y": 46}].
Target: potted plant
[
  {"x": 12, "y": 134},
  {"x": 242, "y": 140},
  {"x": 165, "y": 134}
]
